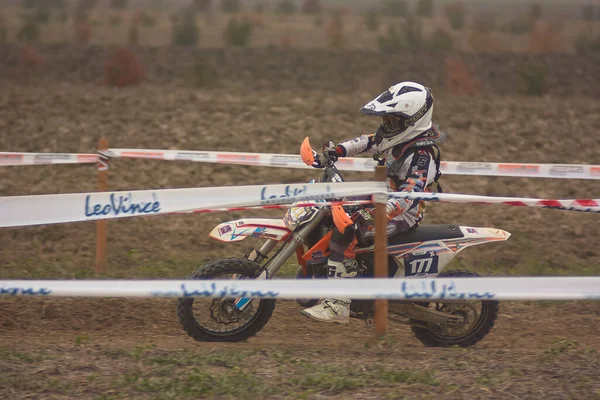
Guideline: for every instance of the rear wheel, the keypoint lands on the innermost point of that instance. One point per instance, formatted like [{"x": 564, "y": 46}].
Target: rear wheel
[
  {"x": 478, "y": 316},
  {"x": 218, "y": 319}
]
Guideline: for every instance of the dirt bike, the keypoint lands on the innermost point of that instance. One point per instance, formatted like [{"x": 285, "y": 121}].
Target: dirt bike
[{"x": 304, "y": 232}]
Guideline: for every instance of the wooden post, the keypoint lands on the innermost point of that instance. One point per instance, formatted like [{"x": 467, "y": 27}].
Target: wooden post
[
  {"x": 381, "y": 257},
  {"x": 102, "y": 225}
]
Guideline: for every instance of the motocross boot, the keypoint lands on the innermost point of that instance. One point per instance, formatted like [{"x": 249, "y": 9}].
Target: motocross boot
[{"x": 334, "y": 310}]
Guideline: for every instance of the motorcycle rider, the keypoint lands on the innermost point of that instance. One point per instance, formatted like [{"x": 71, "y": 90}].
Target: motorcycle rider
[{"x": 405, "y": 143}]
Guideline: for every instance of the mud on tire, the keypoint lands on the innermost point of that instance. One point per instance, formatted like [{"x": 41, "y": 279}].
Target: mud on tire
[
  {"x": 487, "y": 318},
  {"x": 233, "y": 265}
]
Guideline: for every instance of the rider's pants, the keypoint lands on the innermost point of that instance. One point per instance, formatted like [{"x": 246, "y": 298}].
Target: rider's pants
[{"x": 342, "y": 243}]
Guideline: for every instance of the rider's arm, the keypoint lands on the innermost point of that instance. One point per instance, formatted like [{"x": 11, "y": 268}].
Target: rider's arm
[
  {"x": 361, "y": 144},
  {"x": 421, "y": 172}
]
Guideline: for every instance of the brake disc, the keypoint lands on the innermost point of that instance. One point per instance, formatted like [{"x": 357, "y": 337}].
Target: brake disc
[{"x": 224, "y": 311}]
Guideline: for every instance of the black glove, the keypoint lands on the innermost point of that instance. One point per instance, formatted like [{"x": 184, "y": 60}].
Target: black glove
[
  {"x": 317, "y": 160},
  {"x": 330, "y": 150}
]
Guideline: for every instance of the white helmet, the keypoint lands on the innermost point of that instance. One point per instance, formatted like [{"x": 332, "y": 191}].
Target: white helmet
[{"x": 405, "y": 109}]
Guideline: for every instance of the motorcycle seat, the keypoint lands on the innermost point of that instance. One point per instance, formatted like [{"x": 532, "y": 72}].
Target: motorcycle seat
[{"x": 424, "y": 233}]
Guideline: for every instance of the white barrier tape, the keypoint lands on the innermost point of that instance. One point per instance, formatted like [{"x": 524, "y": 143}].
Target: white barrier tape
[
  {"x": 527, "y": 170},
  {"x": 586, "y": 205},
  {"x": 12, "y": 159},
  {"x": 484, "y": 288},
  {"x": 571, "y": 171},
  {"x": 557, "y": 171},
  {"x": 74, "y": 207},
  {"x": 279, "y": 206}
]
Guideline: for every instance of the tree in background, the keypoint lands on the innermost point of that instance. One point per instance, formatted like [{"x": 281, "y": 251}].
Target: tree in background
[
  {"x": 231, "y": 6},
  {"x": 62, "y": 16},
  {"x": 123, "y": 68},
  {"x": 42, "y": 15},
  {"x": 396, "y": 8},
  {"x": 392, "y": 41},
  {"x": 518, "y": 26},
  {"x": 535, "y": 12},
  {"x": 532, "y": 78},
  {"x": 185, "y": 30},
  {"x": 482, "y": 37},
  {"x": 545, "y": 37},
  {"x": 3, "y": 29},
  {"x": 408, "y": 38},
  {"x": 458, "y": 79},
  {"x": 372, "y": 19},
  {"x": 425, "y": 8},
  {"x": 158, "y": 4},
  {"x": 238, "y": 33},
  {"x": 29, "y": 32},
  {"x": 115, "y": 20},
  {"x": 29, "y": 63},
  {"x": 413, "y": 34},
  {"x": 29, "y": 3},
  {"x": 83, "y": 32},
  {"x": 118, "y": 4},
  {"x": 286, "y": 38},
  {"x": 312, "y": 7},
  {"x": 455, "y": 12},
  {"x": 440, "y": 40},
  {"x": 335, "y": 31},
  {"x": 286, "y": 7},
  {"x": 43, "y": 8},
  {"x": 134, "y": 29},
  {"x": 202, "y": 5},
  {"x": 82, "y": 8},
  {"x": 587, "y": 44},
  {"x": 485, "y": 23},
  {"x": 43, "y": 3},
  {"x": 587, "y": 12},
  {"x": 53, "y": 3},
  {"x": 202, "y": 73}
]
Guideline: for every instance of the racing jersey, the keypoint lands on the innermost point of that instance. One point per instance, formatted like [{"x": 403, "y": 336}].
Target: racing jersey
[{"x": 411, "y": 171}]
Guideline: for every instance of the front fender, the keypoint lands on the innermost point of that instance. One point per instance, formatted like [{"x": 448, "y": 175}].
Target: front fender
[{"x": 235, "y": 231}]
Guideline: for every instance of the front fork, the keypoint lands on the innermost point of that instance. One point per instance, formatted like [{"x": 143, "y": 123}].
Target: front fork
[{"x": 294, "y": 244}]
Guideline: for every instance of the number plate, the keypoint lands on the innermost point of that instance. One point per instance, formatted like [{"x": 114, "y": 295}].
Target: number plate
[{"x": 421, "y": 264}]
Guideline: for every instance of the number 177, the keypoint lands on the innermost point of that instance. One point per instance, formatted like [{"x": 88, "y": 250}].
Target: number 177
[{"x": 419, "y": 266}]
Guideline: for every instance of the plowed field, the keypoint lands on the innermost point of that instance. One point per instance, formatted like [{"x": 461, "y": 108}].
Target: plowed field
[{"x": 101, "y": 349}]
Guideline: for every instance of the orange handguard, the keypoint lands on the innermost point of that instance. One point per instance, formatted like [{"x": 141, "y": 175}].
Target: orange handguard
[{"x": 307, "y": 152}]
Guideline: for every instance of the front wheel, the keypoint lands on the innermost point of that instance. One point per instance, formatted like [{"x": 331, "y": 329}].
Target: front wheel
[
  {"x": 218, "y": 319},
  {"x": 478, "y": 319}
]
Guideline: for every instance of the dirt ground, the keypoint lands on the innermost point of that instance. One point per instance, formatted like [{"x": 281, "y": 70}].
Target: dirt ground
[
  {"x": 102, "y": 349},
  {"x": 70, "y": 118},
  {"x": 67, "y": 348}
]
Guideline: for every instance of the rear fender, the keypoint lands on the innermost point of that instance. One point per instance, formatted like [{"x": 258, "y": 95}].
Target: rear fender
[
  {"x": 428, "y": 259},
  {"x": 235, "y": 231}
]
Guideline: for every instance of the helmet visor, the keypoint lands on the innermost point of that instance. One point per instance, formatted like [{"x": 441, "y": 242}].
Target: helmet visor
[{"x": 392, "y": 125}]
